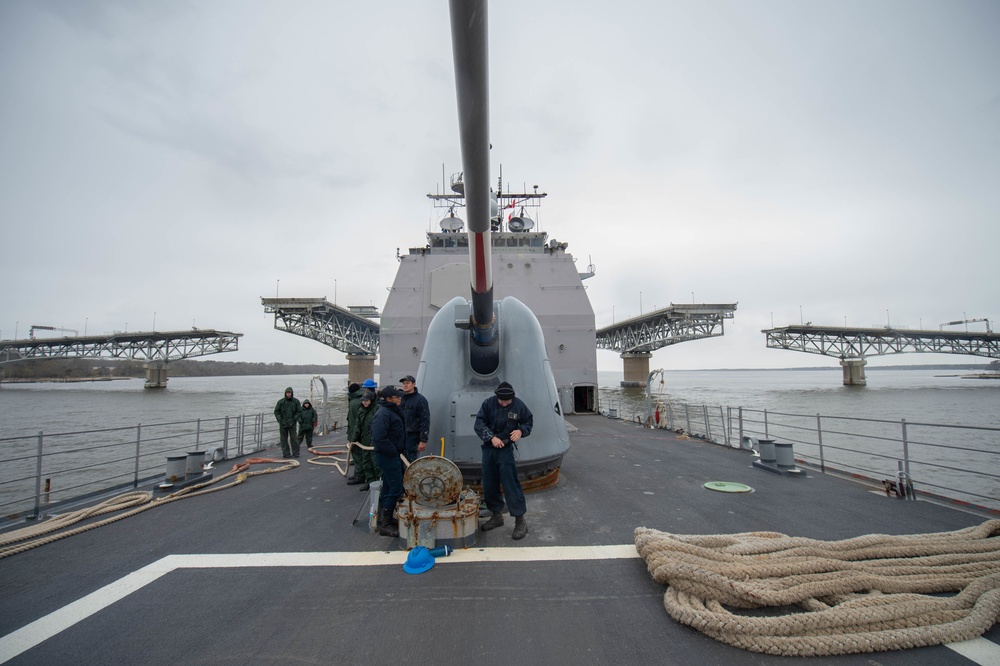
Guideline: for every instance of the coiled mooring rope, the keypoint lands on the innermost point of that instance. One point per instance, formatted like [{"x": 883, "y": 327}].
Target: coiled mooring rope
[
  {"x": 868, "y": 594},
  {"x": 27, "y": 538},
  {"x": 340, "y": 455}
]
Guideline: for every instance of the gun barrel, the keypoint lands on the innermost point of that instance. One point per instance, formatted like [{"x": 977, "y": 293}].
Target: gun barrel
[{"x": 470, "y": 50}]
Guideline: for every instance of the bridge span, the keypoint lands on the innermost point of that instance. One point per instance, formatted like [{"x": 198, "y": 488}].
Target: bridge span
[
  {"x": 155, "y": 347},
  {"x": 637, "y": 338},
  {"x": 853, "y": 345},
  {"x": 350, "y": 330}
]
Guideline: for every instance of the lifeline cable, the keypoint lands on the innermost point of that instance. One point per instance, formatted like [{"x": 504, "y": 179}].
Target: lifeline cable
[{"x": 867, "y": 594}]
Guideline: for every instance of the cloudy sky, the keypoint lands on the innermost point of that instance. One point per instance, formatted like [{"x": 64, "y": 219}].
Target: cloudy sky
[{"x": 826, "y": 161}]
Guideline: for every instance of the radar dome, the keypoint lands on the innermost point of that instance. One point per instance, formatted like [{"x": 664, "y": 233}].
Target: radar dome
[{"x": 452, "y": 223}]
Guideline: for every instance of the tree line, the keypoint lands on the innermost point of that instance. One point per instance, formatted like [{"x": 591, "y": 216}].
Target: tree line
[{"x": 83, "y": 368}]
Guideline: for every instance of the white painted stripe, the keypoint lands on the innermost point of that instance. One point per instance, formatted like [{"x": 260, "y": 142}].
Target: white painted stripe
[
  {"x": 397, "y": 557},
  {"x": 979, "y": 650},
  {"x": 46, "y": 627}
]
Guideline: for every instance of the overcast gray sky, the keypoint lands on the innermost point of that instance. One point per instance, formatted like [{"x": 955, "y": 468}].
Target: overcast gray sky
[{"x": 834, "y": 161}]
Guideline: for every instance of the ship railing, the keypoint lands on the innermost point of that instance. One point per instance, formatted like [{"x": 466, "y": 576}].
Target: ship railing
[
  {"x": 49, "y": 471},
  {"x": 958, "y": 464},
  {"x": 953, "y": 462}
]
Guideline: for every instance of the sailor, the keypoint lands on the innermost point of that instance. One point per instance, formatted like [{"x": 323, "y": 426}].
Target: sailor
[
  {"x": 389, "y": 439},
  {"x": 502, "y": 421},
  {"x": 286, "y": 412},
  {"x": 353, "y": 405},
  {"x": 367, "y": 471},
  {"x": 417, "y": 417},
  {"x": 308, "y": 418}
]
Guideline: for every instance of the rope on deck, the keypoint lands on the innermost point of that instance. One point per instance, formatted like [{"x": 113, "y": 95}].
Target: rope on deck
[
  {"x": 867, "y": 594},
  {"x": 27, "y": 538},
  {"x": 334, "y": 457}
]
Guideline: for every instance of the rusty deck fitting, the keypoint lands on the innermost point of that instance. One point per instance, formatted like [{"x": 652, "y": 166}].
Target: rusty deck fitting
[{"x": 530, "y": 485}]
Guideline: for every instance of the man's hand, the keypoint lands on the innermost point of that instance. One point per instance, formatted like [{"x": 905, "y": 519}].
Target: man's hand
[
  {"x": 497, "y": 443},
  {"x": 515, "y": 435},
  {"x": 421, "y": 446}
]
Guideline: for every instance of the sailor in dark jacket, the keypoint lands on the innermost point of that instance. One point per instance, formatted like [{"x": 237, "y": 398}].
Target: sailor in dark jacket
[
  {"x": 308, "y": 418},
  {"x": 286, "y": 412},
  {"x": 416, "y": 417},
  {"x": 502, "y": 421},
  {"x": 388, "y": 438}
]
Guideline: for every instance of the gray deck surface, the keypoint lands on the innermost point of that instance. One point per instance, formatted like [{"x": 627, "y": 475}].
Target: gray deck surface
[{"x": 616, "y": 477}]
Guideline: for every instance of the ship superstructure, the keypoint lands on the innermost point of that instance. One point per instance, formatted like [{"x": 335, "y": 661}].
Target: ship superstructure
[{"x": 526, "y": 264}]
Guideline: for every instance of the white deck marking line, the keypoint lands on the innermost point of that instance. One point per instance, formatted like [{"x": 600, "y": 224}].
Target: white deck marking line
[
  {"x": 398, "y": 557},
  {"x": 983, "y": 652},
  {"x": 46, "y": 627},
  {"x": 979, "y": 650}
]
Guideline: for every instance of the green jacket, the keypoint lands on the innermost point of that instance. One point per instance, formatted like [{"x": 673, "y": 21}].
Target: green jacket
[
  {"x": 364, "y": 434},
  {"x": 286, "y": 412},
  {"x": 353, "y": 405},
  {"x": 308, "y": 418}
]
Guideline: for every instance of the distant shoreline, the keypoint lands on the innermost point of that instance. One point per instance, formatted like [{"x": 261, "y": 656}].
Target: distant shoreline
[
  {"x": 59, "y": 380},
  {"x": 980, "y": 371},
  {"x": 981, "y": 367}
]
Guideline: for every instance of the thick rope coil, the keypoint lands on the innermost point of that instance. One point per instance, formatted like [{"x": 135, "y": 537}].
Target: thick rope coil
[
  {"x": 340, "y": 456},
  {"x": 867, "y": 594},
  {"x": 141, "y": 501}
]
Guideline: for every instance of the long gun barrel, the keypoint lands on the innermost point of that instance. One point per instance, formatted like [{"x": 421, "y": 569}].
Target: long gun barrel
[{"x": 470, "y": 49}]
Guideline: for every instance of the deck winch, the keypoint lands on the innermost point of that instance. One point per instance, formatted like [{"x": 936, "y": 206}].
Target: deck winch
[{"x": 435, "y": 509}]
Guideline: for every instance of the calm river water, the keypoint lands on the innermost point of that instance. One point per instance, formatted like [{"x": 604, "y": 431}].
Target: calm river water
[
  {"x": 924, "y": 395},
  {"x": 63, "y": 410}
]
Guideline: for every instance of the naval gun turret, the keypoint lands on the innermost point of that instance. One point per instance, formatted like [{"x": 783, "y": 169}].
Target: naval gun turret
[{"x": 474, "y": 344}]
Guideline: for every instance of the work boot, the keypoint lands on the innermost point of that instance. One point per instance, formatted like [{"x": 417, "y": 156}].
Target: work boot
[
  {"x": 354, "y": 481},
  {"x": 385, "y": 526},
  {"x": 365, "y": 488},
  {"x": 495, "y": 521},
  {"x": 520, "y": 528}
]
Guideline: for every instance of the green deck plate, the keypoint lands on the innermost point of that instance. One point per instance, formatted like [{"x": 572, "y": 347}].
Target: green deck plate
[{"x": 728, "y": 487}]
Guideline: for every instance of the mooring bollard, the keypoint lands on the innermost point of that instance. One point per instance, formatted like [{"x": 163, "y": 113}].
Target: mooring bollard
[{"x": 176, "y": 466}]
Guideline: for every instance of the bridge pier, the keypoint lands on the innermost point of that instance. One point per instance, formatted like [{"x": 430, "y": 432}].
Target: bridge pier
[
  {"x": 156, "y": 374},
  {"x": 636, "y": 368},
  {"x": 854, "y": 371},
  {"x": 361, "y": 367}
]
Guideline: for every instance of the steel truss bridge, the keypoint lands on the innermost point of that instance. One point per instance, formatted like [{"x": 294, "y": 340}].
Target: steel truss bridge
[
  {"x": 156, "y": 348},
  {"x": 318, "y": 319},
  {"x": 637, "y": 338},
  {"x": 858, "y": 343},
  {"x": 666, "y": 326},
  {"x": 148, "y": 346}
]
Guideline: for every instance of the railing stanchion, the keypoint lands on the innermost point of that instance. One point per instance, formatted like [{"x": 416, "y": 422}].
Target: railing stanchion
[
  {"x": 38, "y": 478},
  {"x": 819, "y": 440},
  {"x": 766, "y": 434},
  {"x": 197, "y": 436},
  {"x": 725, "y": 426},
  {"x": 225, "y": 438},
  {"x": 906, "y": 460},
  {"x": 739, "y": 416},
  {"x": 138, "y": 441}
]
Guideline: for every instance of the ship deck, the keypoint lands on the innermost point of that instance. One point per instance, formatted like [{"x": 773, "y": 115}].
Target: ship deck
[{"x": 273, "y": 572}]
